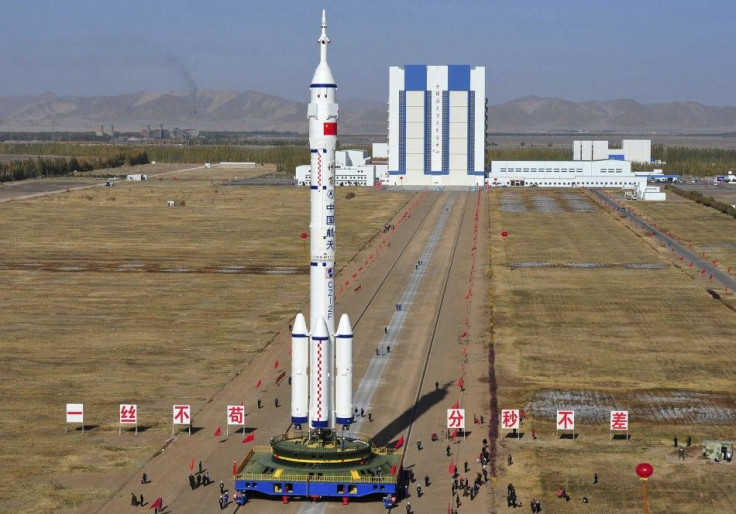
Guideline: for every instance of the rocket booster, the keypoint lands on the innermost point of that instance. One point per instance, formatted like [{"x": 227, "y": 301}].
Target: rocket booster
[{"x": 320, "y": 344}]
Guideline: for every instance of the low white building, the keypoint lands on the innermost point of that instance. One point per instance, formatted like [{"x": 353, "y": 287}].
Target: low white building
[
  {"x": 136, "y": 177},
  {"x": 603, "y": 173},
  {"x": 650, "y": 193},
  {"x": 380, "y": 151},
  {"x": 352, "y": 168}
]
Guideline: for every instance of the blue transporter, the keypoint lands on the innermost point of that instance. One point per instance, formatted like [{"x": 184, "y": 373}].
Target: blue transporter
[{"x": 298, "y": 465}]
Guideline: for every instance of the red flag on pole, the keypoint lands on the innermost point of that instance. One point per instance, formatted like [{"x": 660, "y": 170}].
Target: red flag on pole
[
  {"x": 454, "y": 435},
  {"x": 399, "y": 443},
  {"x": 456, "y": 405},
  {"x": 460, "y": 382},
  {"x": 250, "y": 437},
  {"x": 393, "y": 469},
  {"x": 276, "y": 365},
  {"x": 259, "y": 383},
  {"x": 451, "y": 469},
  {"x": 158, "y": 504},
  {"x": 191, "y": 465},
  {"x": 449, "y": 510},
  {"x": 464, "y": 334},
  {"x": 218, "y": 432},
  {"x": 235, "y": 468}
]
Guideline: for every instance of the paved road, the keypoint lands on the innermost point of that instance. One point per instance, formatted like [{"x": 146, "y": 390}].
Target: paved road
[{"x": 710, "y": 269}]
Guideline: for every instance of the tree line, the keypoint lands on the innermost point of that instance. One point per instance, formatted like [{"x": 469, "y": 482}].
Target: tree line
[
  {"x": 286, "y": 157},
  {"x": 54, "y": 166}
]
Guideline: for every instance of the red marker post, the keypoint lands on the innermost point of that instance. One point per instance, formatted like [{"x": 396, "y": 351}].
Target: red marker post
[
  {"x": 644, "y": 471},
  {"x": 304, "y": 238},
  {"x": 504, "y": 235}
]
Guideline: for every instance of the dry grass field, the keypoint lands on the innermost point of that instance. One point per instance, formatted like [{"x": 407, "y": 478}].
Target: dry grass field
[
  {"x": 591, "y": 316},
  {"x": 109, "y": 296},
  {"x": 707, "y": 229}
]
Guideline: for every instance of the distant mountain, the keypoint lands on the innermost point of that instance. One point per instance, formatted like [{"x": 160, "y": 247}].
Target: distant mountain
[
  {"x": 533, "y": 114},
  {"x": 254, "y": 111}
]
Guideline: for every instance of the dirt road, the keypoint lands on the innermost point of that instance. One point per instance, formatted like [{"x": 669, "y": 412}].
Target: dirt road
[{"x": 441, "y": 301}]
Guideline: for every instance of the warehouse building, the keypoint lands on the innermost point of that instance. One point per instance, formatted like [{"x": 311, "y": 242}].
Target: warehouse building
[
  {"x": 603, "y": 173},
  {"x": 436, "y": 125}
]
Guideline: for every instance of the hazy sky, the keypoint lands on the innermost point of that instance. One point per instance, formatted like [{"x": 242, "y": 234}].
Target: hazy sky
[{"x": 648, "y": 50}]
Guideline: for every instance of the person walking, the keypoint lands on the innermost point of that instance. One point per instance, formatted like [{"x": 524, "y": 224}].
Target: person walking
[
  {"x": 595, "y": 478},
  {"x": 675, "y": 440},
  {"x": 276, "y": 402},
  {"x": 222, "y": 487},
  {"x": 134, "y": 500}
]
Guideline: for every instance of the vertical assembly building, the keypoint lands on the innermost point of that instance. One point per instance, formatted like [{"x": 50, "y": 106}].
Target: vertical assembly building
[{"x": 437, "y": 125}]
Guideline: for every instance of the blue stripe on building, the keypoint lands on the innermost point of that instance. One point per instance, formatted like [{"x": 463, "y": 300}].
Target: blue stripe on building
[
  {"x": 458, "y": 77},
  {"x": 415, "y": 77}
]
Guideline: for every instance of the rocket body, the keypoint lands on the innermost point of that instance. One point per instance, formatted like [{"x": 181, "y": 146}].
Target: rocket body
[{"x": 322, "y": 112}]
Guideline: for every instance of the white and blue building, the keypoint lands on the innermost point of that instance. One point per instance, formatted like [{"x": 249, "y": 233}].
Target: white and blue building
[{"x": 436, "y": 125}]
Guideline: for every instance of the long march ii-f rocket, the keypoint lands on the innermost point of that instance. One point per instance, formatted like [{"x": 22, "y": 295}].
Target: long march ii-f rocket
[{"x": 322, "y": 360}]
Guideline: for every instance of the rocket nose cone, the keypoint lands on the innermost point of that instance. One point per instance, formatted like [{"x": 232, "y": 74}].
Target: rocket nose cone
[
  {"x": 300, "y": 325},
  {"x": 321, "y": 329},
  {"x": 344, "y": 327}
]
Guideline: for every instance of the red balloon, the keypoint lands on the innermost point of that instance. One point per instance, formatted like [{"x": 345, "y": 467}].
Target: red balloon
[
  {"x": 644, "y": 470},
  {"x": 304, "y": 235},
  {"x": 504, "y": 234}
]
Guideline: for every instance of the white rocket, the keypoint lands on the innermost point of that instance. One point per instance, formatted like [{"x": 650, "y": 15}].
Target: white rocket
[{"x": 322, "y": 360}]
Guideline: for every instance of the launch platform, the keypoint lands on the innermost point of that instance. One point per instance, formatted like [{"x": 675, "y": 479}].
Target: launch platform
[{"x": 297, "y": 465}]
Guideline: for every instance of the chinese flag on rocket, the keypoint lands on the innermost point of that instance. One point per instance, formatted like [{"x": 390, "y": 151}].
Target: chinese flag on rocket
[{"x": 330, "y": 129}]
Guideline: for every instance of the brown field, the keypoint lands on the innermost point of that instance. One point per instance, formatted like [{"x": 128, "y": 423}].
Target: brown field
[
  {"x": 650, "y": 341},
  {"x": 110, "y": 296}
]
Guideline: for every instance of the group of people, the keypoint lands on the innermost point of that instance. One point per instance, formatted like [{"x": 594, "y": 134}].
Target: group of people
[
  {"x": 536, "y": 506},
  {"x": 199, "y": 479},
  {"x": 134, "y": 501}
]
